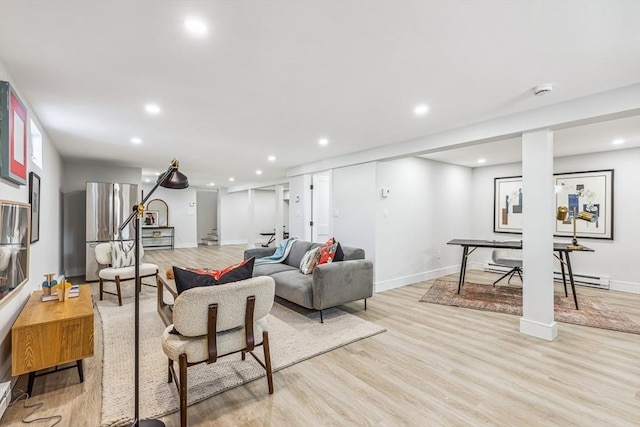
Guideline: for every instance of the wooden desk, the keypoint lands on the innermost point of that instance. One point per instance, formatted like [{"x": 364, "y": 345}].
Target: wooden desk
[
  {"x": 562, "y": 249},
  {"x": 52, "y": 333}
]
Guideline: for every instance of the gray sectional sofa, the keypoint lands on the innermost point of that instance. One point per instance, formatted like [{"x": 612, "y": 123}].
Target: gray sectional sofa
[{"x": 329, "y": 285}]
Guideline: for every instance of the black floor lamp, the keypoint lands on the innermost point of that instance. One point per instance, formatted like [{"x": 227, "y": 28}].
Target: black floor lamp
[{"x": 172, "y": 178}]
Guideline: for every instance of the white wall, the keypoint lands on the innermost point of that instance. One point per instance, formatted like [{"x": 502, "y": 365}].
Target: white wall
[
  {"x": 182, "y": 213},
  {"x": 354, "y": 198},
  {"x": 75, "y": 176},
  {"x": 618, "y": 258},
  {"x": 299, "y": 206},
  {"x": 45, "y": 254},
  {"x": 428, "y": 205},
  {"x": 234, "y": 221}
]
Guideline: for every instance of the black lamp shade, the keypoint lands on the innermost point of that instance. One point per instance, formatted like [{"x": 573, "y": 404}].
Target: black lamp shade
[{"x": 176, "y": 180}]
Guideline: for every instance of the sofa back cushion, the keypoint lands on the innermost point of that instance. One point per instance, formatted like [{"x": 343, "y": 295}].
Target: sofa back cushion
[
  {"x": 351, "y": 253},
  {"x": 298, "y": 249}
]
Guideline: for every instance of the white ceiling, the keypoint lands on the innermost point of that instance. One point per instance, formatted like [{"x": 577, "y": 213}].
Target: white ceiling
[{"x": 274, "y": 77}]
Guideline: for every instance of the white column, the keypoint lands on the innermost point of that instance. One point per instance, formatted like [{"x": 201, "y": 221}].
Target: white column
[
  {"x": 279, "y": 212},
  {"x": 251, "y": 229},
  {"x": 537, "y": 235}
]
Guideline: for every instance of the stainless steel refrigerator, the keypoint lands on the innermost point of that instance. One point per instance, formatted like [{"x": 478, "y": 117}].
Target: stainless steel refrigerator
[{"x": 108, "y": 205}]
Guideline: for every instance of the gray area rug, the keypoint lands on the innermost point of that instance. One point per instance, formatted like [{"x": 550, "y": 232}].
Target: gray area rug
[{"x": 293, "y": 337}]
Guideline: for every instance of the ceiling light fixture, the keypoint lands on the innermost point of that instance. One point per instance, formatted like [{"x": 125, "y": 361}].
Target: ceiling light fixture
[
  {"x": 211, "y": 184},
  {"x": 232, "y": 179},
  {"x": 258, "y": 172},
  {"x": 157, "y": 173},
  {"x": 618, "y": 142},
  {"x": 152, "y": 109},
  {"x": 481, "y": 160},
  {"x": 542, "y": 89},
  {"x": 195, "y": 26},
  {"x": 323, "y": 141},
  {"x": 136, "y": 140},
  {"x": 271, "y": 158},
  {"x": 421, "y": 109}
]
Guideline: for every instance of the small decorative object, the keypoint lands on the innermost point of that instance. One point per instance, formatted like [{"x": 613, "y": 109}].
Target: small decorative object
[
  {"x": 169, "y": 273},
  {"x": 63, "y": 290},
  {"x": 49, "y": 283}
]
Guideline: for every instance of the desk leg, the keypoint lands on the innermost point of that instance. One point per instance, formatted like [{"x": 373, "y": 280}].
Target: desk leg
[
  {"x": 564, "y": 277},
  {"x": 463, "y": 267},
  {"x": 573, "y": 286}
]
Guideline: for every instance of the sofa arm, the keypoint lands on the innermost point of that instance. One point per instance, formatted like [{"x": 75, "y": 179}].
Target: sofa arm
[
  {"x": 340, "y": 282},
  {"x": 258, "y": 252}
]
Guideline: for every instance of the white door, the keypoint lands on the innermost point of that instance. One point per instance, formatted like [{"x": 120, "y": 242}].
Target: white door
[{"x": 321, "y": 207}]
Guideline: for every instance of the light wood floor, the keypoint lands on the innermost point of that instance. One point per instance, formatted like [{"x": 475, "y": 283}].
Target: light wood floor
[{"x": 435, "y": 366}]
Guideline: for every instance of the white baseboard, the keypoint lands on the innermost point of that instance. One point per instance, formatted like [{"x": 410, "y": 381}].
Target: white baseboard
[
  {"x": 233, "y": 242},
  {"x": 616, "y": 285},
  {"x": 185, "y": 245},
  {"x": 539, "y": 330},
  {"x": 414, "y": 278}
]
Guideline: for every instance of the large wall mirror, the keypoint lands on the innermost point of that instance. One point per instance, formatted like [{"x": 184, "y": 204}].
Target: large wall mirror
[
  {"x": 161, "y": 207},
  {"x": 14, "y": 247}
]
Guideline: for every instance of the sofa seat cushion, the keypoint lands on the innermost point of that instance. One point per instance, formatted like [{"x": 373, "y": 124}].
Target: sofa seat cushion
[
  {"x": 196, "y": 348},
  {"x": 295, "y": 287},
  {"x": 269, "y": 269},
  {"x": 127, "y": 273}
]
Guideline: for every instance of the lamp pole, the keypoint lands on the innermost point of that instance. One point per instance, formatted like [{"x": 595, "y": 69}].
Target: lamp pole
[{"x": 171, "y": 178}]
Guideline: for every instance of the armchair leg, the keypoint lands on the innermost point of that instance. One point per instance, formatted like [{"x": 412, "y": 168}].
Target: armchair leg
[
  {"x": 102, "y": 288},
  {"x": 169, "y": 376},
  {"x": 321, "y": 319},
  {"x": 267, "y": 360},
  {"x": 365, "y": 304},
  {"x": 118, "y": 290},
  {"x": 183, "y": 390}
]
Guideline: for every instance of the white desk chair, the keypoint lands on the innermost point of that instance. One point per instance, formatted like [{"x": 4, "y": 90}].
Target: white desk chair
[{"x": 501, "y": 257}]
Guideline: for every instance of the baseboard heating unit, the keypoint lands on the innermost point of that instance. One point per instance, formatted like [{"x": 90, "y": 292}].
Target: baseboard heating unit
[{"x": 600, "y": 282}]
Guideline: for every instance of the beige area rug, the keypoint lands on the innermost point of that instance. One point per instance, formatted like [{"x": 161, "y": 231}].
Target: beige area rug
[
  {"x": 593, "y": 311},
  {"x": 293, "y": 337}
]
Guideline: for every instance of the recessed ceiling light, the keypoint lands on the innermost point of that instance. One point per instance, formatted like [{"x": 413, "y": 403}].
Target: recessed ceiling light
[
  {"x": 157, "y": 173},
  {"x": 136, "y": 140},
  {"x": 232, "y": 179},
  {"x": 258, "y": 172},
  {"x": 147, "y": 180},
  {"x": 152, "y": 108},
  {"x": 271, "y": 158},
  {"x": 195, "y": 26},
  {"x": 618, "y": 142},
  {"x": 421, "y": 110},
  {"x": 323, "y": 141},
  {"x": 211, "y": 184},
  {"x": 481, "y": 160}
]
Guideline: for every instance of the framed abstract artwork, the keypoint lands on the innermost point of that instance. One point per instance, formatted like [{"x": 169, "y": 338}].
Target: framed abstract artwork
[
  {"x": 590, "y": 192},
  {"x": 34, "y": 200},
  {"x": 507, "y": 205},
  {"x": 13, "y": 136}
]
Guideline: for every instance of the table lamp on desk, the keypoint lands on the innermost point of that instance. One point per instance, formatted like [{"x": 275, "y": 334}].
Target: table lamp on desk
[{"x": 561, "y": 215}]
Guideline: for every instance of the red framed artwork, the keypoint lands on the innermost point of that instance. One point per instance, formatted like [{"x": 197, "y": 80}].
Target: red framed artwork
[{"x": 13, "y": 136}]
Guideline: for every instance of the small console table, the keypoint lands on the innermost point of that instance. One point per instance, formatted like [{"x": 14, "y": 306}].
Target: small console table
[
  {"x": 50, "y": 334},
  {"x": 158, "y": 237}
]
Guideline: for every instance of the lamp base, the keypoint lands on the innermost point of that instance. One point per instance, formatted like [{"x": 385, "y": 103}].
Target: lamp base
[{"x": 148, "y": 423}]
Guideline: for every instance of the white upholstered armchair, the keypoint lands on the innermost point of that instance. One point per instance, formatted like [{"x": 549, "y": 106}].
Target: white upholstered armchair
[
  {"x": 115, "y": 273},
  {"x": 216, "y": 321}
]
